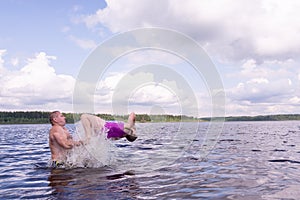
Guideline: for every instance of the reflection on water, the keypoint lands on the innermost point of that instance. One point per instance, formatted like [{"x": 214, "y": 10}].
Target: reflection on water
[
  {"x": 252, "y": 160},
  {"x": 91, "y": 184}
]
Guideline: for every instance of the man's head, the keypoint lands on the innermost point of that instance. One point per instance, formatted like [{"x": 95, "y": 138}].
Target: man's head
[{"x": 57, "y": 118}]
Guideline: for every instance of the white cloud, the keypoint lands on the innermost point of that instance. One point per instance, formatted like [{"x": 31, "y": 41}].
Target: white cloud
[
  {"x": 258, "y": 81},
  {"x": 294, "y": 100},
  {"x": 158, "y": 56},
  {"x": 83, "y": 43},
  {"x": 142, "y": 91},
  {"x": 15, "y": 61},
  {"x": 264, "y": 80},
  {"x": 35, "y": 86},
  {"x": 257, "y": 39},
  {"x": 269, "y": 87},
  {"x": 237, "y": 29},
  {"x": 2, "y": 69},
  {"x": 278, "y": 28},
  {"x": 261, "y": 90},
  {"x": 154, "y": 94}
]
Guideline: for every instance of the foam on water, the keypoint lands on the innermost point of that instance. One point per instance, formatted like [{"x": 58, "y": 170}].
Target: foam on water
[{"x": 98, "y": 152}]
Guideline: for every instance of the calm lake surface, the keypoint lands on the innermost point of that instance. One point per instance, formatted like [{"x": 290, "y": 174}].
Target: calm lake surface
[{"x": 251, "y": 160}]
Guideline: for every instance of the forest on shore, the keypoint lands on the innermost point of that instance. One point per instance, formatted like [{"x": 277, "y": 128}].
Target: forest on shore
[{"x": 40, "y": 117}]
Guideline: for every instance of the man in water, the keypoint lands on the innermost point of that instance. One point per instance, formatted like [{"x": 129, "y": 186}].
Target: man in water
[{"x": 61, "y": 141}]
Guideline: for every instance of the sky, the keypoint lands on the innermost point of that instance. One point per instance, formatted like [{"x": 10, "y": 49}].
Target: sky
[{"x": 253, "y": 45}]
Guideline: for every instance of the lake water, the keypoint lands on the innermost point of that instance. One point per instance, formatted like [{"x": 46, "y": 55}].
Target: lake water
[{"x": 251, "y": 160}]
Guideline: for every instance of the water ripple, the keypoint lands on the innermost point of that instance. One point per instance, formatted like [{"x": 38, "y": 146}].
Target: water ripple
[{"x": 252, "y": 160}]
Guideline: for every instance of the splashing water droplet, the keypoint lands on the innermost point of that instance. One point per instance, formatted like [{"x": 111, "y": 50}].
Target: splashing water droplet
[{"x": 97, "y": 152}]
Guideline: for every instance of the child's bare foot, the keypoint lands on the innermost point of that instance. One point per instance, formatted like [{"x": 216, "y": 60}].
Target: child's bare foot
[{"x": 130, "y": 128}]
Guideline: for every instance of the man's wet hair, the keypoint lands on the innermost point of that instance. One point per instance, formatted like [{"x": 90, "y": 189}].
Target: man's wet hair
[{"x": 52, "y": 116}]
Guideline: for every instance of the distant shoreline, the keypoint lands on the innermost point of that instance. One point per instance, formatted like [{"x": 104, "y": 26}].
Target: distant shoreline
[{"x": 41, "y": 117}]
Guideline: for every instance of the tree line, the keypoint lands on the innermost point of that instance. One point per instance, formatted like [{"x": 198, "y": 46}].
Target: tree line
[
  {"x": 40, "y": 117},
  {"x": 279, "y": 117}
]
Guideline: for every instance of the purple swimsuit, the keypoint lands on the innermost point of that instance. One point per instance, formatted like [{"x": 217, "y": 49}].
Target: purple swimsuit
[{"x": 115, "y": 129}]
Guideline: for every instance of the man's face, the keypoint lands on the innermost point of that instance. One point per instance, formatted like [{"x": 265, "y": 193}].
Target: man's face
[{"x": 60, "y": 119}]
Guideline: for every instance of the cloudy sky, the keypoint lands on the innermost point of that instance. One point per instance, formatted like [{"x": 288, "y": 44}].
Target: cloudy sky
[{"x": 254, "y": 46}]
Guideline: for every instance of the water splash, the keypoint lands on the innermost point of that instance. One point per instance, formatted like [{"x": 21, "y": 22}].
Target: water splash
[{"x": 97, "y": 152}]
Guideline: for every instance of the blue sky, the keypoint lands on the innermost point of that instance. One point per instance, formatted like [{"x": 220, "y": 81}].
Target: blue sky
[
  {"x": 30, "y": 27},
  {"x": 254, "y": 46}
]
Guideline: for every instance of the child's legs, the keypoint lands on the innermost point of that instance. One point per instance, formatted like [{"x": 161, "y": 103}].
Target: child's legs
[{"x": 91, "y": 124}]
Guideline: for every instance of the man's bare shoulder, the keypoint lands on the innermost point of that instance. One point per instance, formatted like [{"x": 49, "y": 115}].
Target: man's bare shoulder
[{"x": 56, "y": 130}]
